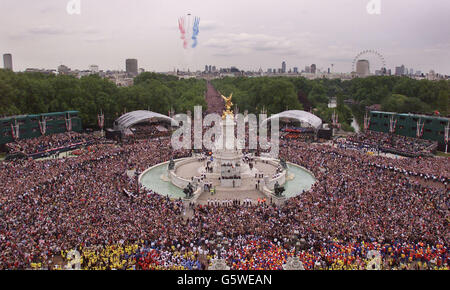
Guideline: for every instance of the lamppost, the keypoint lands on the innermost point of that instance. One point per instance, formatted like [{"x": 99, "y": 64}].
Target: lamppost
[
  {"x": 226, "y": 244},
  {"x": 447, "y": 130},
  {"x": 219, "y": 263},
  {"x": 211, "y": 245},
  {"x": 136, "y": 175},
  {"x": 101, "y": 122},
  {"x": 218, "y": 240},
  {"x": 294, "y": 263}
]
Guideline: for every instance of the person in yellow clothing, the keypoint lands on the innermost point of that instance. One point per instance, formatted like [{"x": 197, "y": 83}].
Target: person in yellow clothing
[{"x": 36, "y": 266}]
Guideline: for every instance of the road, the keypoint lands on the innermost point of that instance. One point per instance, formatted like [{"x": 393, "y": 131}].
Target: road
[{"x": 214, "y": 100}]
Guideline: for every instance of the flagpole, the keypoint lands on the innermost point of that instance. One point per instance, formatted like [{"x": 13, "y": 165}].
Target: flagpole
[{"x": 447, "y": 129}]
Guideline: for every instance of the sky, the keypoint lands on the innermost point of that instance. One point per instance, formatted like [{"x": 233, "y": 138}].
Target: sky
[{"x": 248, "y": 34}]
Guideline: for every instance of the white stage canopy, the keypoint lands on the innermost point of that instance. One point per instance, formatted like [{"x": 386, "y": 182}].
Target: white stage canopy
[
  {"x": 301, "y": 116},
  {"x": 124, "y": 122}
]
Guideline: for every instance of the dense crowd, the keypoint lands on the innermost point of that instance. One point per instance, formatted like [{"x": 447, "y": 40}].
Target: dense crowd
[
  {"x": 49, "y": 142},
  {"x": 214, "y": 100},
  {"x": 146, "y": 130},
  {"x": 359, "y": 203},
  {"x": 392, "y": 143}
]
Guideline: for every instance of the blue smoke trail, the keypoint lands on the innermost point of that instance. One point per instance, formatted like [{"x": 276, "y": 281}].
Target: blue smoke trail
[{"x": 196, "y": 30}]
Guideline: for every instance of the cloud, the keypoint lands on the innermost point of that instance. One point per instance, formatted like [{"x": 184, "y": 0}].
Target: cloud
[
  {"x": 89, "y": 30},
  {"x": 209, "y": 25},
  {"x": 205, "y": 26},
  {"x": 38, "y": 31},
  {"x": 46, "y": 30},
  {"x": 48, "y": 9},
  {"x": 246, "y": 43},
  {"x": 90, "y": 34},
  {"x": 440, "y": 48},
  {"x": 226, "y": 54},
  {"x": 97, "y": 39},
  {"x": 297, "y": 49}
]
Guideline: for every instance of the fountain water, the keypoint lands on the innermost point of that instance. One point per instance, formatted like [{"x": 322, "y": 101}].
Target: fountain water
[{"x": 228, "y": 172}]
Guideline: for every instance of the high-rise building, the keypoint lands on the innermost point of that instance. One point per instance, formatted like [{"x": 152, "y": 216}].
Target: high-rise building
[
  {"x": 94, "y": 69},
  {"x": 7, "y": 61},
  {"x": 362, "y": 68},
  {"x": 131, "y": 66},
  {"x": 307, "y": 69},
  {"x": 283, "y": 67},
  {"x": 313, "y": 68},
  {"x": 206, "y": 68},
  {"x": 296, "y": 70},
  {"x": 63, "y": 70},
  {"x": 411, "y": 71},
  {"x": 399, "y": 70},
  {"x": 234, "y": 69}
]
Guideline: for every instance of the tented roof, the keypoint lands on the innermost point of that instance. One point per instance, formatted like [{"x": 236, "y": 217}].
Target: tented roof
[
  {"x": 298, "y": 115},
  {"x": 127, "y": 120}
]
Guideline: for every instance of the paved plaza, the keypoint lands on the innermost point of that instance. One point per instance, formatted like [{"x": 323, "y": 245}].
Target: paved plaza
[{"x": 247, "y": 190}]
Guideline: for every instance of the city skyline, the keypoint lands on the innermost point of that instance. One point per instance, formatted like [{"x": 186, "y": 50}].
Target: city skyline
[
  {"x": 298, "y": 32},
  {"x": 94, "y": 68}
]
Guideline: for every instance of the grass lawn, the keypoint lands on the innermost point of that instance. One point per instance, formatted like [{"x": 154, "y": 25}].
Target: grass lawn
[{"x": 439, "y": 153}]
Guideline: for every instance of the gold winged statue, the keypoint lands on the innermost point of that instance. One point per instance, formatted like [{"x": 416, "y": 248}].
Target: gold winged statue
[{"x": 228, "y": 105}]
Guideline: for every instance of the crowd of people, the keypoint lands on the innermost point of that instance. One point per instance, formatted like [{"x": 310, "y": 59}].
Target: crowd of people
[
  {"x": 392, "y": 143},
  {"x": 299, "y": 133},
  {"x": 360, "y": 203},
  {"x": 214, "y": 100},
  {"x": 146, "y": 130},
  {"x": 49, "y": 142}
]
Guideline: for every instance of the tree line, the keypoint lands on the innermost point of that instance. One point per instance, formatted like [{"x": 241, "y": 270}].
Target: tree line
[
  {"x": 395, "y": 94},
  {"x": 32, "y": 93}
]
